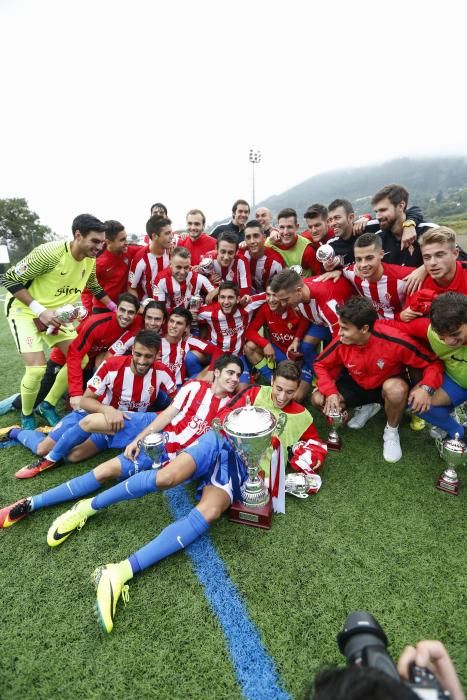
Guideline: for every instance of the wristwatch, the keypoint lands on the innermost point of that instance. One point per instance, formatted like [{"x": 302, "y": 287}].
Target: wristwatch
[
  {"x": 429, "y": 389},
  {"x": 408, "y": 223}
]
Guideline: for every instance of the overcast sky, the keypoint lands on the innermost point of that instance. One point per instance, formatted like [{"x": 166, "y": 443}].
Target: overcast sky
[{"x": 109, "y": 106}]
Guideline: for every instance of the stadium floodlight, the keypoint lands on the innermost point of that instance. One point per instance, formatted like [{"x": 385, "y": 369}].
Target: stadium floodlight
[{"x": 254, "y": 158}]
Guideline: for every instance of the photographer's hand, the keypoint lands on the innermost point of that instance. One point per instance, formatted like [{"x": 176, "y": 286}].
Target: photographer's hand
[{"x": 432, "y": 655}]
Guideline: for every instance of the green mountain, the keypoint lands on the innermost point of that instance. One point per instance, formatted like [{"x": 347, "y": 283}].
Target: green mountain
[{"x": 438, "y": 185}]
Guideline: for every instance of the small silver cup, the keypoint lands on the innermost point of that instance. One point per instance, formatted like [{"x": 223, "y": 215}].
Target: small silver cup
[{"x": 154, "y": 446}]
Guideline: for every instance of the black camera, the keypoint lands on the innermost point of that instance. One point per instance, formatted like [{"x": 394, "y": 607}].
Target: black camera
[{"x": 363, "y": 643}]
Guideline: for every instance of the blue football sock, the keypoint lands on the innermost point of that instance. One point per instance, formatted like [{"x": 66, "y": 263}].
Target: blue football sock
[
  {"x": 173, "y": 538},
  {"x": 72, "y": 437},
  {"x": 135, "y": 487},
  {"x": 439, "y": 416},
  {"x": 69, "y": 491},
  {"x": 29, "y": 438},
  {"x": 192, "y": 365},
  {"x": 309, "y": 354}
]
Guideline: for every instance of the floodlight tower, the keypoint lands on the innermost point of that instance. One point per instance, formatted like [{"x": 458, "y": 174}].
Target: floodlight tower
[{"x": 255, "y": 158}]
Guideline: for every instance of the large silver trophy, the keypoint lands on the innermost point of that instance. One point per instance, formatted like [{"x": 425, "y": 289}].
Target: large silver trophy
[
  {"x": 153, "y": 445},
  {"x": 454, "y": 452},
  {"x": 249, "y": 431}
]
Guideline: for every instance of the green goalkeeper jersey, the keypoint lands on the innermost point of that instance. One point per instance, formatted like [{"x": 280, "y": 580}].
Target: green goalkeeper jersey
[
  {"x": 52, "y": 276},
  {"x": 455, "y": 359}
]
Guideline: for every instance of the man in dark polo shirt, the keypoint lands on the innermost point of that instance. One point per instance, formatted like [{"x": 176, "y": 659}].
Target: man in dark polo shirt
[{"x": 240, "y": 215}]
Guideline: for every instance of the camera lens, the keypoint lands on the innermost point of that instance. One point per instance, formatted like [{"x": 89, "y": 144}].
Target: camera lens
[{"x": 363, "y": 643}]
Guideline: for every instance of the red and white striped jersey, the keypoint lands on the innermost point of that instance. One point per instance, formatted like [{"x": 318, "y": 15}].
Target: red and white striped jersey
[
  {"x": 238, "y": 271},
  {"x": 228, "y": 330},
  {"x": 115, "y": 384},
  {"x": 325, "y": 297},
  {"x": 387, "y": 294},
  {"x": 144, "y": 268},
  {"x": 166, "y": 288},
  {"x": 173, "y": 355},
  {"x": 263, "y": 269},
  {"x": 198, "y": 406}
]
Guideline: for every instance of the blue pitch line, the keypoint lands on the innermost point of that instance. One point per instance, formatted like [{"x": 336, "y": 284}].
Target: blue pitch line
[{"x": 253, "y": 666}]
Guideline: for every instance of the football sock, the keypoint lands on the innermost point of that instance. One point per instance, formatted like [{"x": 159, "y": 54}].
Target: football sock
[
  {"x": 59, "y": 387},
  {"x": 440, "y": 416},
  {"x": 69, "y": 491},
  {"x": 309, "y": 353},
  {"x": 135, "y": 487},
  {"x": 70, "y": 438},
  {"x": 30, "y": 384},
  {"x": 173, "y": 538},
  {"x": 29, "y": 438}
]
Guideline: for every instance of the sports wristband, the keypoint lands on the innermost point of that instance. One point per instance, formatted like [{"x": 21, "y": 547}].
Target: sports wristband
[
  {"x": 408, "y": 223},
  {"x": 111, "y": 306},
  {"x": 36, "y": 308}
]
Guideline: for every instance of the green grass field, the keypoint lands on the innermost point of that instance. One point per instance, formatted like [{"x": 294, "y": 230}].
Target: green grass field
[{"x": 376, "y": 537}]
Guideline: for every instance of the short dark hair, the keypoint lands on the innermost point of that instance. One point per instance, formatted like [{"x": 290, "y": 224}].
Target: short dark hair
[
  {"x": 181, "y": 252},
  {"x": 237, "y": 202},
  {"x": 315, "y": 211},
  {"x": 155, "y": 305},
  {"x": 448, "y": 312},
  {"x": 113, "y": 228},
  {"x": 229, "y": 285},
  {"x": 184, "y": 313},
  {"x": 155, "y": 224},
  {"x": 285, "y": 279},
  {"x": 348, "y": 208},
  {"x": 129, "y": 298},
  {"x": 192, "y": 212},
  {"x": 358, "y": 683},
  {"x": 150, "y": 339},
  {"x": 253, "y": 223},
  {"x": 85, "y": 223},
  {"x": 159, "y": 205},
  {"x": 286, "y": 213},
  {"x": 228, "y": 237},
  {"x": 395, "y": 193},
  {"x": 287, "y": 369},
  {"x": 367, "y": 239},
  {"x": 226, "y": 359},
  {"x": 359, "y": 311}
]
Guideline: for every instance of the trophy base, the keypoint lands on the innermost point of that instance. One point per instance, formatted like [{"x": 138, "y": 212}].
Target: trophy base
[
  {"x": 448, "y": 486},
  {"x": 255, "y": 517},
  {"x": 334, "y": 445}
]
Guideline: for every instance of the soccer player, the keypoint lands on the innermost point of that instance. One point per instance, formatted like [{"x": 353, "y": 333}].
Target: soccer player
[
  {"x": 121, "y": 384},
  {"x": 445, "y": 272},
  {"x": 230, "y": 265},
  {"x": 264, "y": 216},
  {"x": 240, "y": 215},
  {"x": 151, "y": 259},
  {"x": 197, "y": 242},
  {"x": 189, "y": 417},
  {"x": 294, "y": 249},
  {"x": 177, "y": 346},
  {"x": 317, "y": 231},
  {"x": 375, "y": 357},
  {"x": 177, "y": 284},
  {"x": 211, "y": 460},
  {"x": 112, "y": 267},
  {"x": 154, "y": 318},
  {"x": 263, "y": 262},
  {"x": 51, "y": 275}
]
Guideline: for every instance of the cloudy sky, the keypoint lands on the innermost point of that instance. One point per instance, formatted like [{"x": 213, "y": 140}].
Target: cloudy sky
[{"x": 110, "y": 105}]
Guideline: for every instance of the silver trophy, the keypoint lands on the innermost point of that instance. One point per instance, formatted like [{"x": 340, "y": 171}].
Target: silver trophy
[
  {"x": 454, "y": 452},
  {"x": 325, "y": 253},
  {"x": 299, "y": 485},
  {"x": 206, "y": 266},
  {"x": 249, "y": 431},
  {"x": 67, "y": 314},
  {"x": 196, "y": 302},
  {"x": 335, "y": 419},
  {"x": 298, "y": 269},
  {"x": 154, "y": 446}
]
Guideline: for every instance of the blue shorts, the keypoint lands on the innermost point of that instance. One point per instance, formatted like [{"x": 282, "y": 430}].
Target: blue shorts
[
  {"x": 133, "y": 426},
  {"x": 321, "y": 332},
  {"x": 305, "y": 373},
  {"x": 217, "y": 464},
  {"x": 67, "y": 421},
  {"x": 456, "y": 393}
]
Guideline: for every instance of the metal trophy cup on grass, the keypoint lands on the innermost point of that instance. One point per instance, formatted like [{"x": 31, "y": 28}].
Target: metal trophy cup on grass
[
  {"x": 454, "y": 452},
  {"x": 154, "y": 446},
  {"x": 335, "y": 419},
  {"x": 249, "y": 431}
]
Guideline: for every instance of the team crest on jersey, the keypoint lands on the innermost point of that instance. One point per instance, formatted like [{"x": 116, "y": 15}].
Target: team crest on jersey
[
  {"x": 21, "y": 268},
  {"x": 380, "y": 363},
  {"x": 118, "y": 345},
  {"x": 95, "y": 381},
  {"x": 150, "y": 390}
]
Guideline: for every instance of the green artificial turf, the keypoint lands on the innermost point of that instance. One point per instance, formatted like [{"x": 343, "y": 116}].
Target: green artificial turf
[{"x": 377, "y": 537}]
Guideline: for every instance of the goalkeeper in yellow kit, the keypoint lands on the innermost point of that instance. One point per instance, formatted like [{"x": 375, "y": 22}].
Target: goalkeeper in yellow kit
[{"x": 53, "y": 274}]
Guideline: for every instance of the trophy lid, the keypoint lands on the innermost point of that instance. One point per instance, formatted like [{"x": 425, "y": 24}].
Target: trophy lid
[
  {"x": 455, "y": 445},
  {"x": 153, "y": 439},
  {"x": 249, "y": 420}
]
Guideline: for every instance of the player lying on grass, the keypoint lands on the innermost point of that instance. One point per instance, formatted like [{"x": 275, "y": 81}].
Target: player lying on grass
[
  {"x": 187, "y": 418},
  {"x": 122, "y": 388}
]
